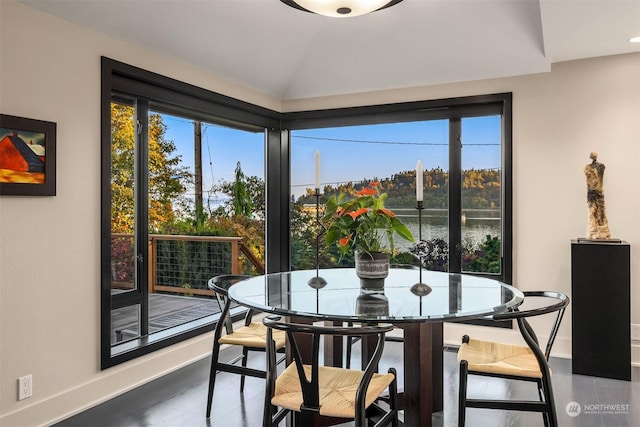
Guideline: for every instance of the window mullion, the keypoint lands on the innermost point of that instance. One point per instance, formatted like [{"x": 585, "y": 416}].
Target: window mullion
[
  {"x": 455, "y": 195},
  {"x": 277, "y": 203},
  {"x": 142, "y": 211}
]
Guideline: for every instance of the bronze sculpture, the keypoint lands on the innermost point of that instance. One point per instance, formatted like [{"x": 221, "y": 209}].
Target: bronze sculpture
[{"x": 597, "y": 226}]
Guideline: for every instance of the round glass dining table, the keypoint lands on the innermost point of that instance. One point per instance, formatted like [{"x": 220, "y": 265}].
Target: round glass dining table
[
  {"x": 452, "y": 296},
  {"x": 418, "y": 301}
]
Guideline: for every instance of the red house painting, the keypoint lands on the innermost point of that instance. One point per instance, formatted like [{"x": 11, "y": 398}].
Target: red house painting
[
  {"x": 25, "y": 169},
  {"x": 20, "y": 160}
]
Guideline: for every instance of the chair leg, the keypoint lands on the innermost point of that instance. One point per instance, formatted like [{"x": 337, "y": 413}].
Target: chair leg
[
  {"x": 212, "y": 376},
  {"x": 349, "y": 344},
  {"x": 393, "y": 398},
  {"x": 245, "y": 356},
  {"x": 551, "y": 403},
  {"x": 268, "y": 411},
  {"x": 462, "y": 392},
  {"x": 302, "y": 419},
  {"x": 545, "y": 415}
]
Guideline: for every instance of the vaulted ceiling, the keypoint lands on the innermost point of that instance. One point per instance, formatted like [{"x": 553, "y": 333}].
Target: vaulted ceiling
[{"x": 285, "y": 53}]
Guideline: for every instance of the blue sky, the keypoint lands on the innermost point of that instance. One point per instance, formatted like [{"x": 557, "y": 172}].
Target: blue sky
[
  {"x": 346, "y": 153},
  {"x": 222, "y": 148}
]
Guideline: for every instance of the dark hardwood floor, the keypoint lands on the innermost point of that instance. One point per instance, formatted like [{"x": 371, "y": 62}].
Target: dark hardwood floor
[{"x": 179, "y": 399}]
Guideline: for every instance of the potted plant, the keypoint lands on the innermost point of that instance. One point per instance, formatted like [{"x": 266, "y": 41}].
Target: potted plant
[{"x": 363, "y": 224}]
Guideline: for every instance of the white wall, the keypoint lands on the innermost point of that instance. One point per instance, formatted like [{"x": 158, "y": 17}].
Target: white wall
[{"x": 49, "y": 246}]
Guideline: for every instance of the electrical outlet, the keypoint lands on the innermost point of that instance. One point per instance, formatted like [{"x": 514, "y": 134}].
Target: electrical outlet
[
  {"x": 635, "y": 332},
  {"x": 24, "y": 387}
]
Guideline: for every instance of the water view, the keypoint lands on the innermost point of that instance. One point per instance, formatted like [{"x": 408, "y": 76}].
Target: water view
[{"x": 477, "y": 225}]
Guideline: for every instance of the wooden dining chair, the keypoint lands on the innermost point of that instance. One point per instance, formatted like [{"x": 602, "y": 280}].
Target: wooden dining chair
[
  {"x": 514, "y": 362},
  {"x": 326, "y": 395},
  {"x": 251, "y": 337}
]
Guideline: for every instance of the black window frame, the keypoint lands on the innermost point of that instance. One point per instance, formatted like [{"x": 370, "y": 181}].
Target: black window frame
[
  {"x": 454, "y": 110},
  {"x": 119, "y": 82},
  {"x": 122, "y": 80}
]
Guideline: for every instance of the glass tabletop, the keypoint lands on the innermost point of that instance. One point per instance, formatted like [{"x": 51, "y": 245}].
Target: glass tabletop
[{"x": 452, "y": 296}]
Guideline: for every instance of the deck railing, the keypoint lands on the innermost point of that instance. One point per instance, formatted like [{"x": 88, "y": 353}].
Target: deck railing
[{"x": 181, "y": 264}]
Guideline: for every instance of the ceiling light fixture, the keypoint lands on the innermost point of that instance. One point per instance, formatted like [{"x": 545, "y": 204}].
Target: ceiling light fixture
[
  {"x": 635, "y": 39},
  {"x": 340, "y": 8}
]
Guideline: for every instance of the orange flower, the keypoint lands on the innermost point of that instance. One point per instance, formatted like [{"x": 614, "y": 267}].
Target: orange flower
[
  {"x": 356, "y": 214},
  {"x": 366, "y": 192},
  {"x": 370, "y": 224},
  {"x": 386, "y": 212}
]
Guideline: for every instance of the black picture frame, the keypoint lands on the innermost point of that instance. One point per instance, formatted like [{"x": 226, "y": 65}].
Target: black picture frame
[{"x": 27, "y": 156}]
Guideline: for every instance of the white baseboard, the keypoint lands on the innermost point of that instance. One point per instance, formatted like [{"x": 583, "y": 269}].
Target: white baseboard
[{"x": 108, "y": 384}]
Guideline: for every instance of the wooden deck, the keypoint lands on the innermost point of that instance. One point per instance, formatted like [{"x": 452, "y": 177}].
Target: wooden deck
[{"x": 165, "y": 311}]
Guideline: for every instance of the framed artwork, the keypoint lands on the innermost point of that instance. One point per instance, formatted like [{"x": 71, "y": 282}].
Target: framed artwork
[{"x": 27, "y": 157}]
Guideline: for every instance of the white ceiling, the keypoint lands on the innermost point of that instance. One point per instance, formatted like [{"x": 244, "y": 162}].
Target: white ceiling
[{"x": 289, "y": 54}]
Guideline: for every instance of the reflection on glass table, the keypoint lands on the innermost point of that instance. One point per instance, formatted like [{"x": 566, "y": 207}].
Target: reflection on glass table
[{"x": 452, "y": 297}]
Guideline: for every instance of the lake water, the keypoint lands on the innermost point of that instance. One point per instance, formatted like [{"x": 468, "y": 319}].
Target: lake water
[{"x": 477, "y": 225}]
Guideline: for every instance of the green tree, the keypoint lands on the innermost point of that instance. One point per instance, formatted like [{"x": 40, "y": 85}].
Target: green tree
[
  {"x": 242, "y": 214},
  {"x": 167, "y": 177},
  {"x": 122, "y": 168},
  {"x": 241, "y": 200},
  {"x": 250, "y": 191},
  {"x": 303, "y": 237},
  {"x": 486, "y": 259}
]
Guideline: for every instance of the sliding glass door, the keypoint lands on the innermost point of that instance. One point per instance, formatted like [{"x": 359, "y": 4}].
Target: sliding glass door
[
  {"x": 183, "y": 200},
  {"x": 167, "y": 202}
]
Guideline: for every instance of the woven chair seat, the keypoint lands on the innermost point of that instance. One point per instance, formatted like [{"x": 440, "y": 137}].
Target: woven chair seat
[
  {"x": 254, "y": 335},
  {"x": 498, "y": 358},
  {"x": 337, "y": 390},
  {"x": 515, "y": 362}
]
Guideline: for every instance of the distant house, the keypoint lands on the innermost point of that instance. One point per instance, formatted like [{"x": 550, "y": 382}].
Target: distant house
[{"x": 17, "y": 155}]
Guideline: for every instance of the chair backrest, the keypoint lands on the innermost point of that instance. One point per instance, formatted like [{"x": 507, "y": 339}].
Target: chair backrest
[
  {"x": 310, "y": 386},
  {"x": 220, "y": 285},
  {"x": 558, "y": 303}
]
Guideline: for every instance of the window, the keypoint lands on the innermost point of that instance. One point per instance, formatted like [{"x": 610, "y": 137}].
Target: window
[
  {"x": 183, "y": 200},
  {"x": 187, "y": 213},
  {"x": 193, "y": 180},
  {"x": 481, "y": 196},
  {"x": 353, "y": 156},
  {"x": 464, "y": 145}
]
